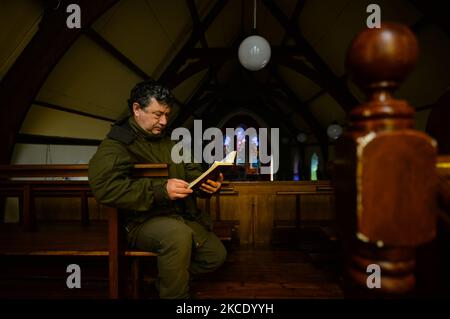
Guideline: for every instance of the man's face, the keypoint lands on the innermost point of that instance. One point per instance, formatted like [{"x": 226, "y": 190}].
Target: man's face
[{"x": 153, "y": 118}]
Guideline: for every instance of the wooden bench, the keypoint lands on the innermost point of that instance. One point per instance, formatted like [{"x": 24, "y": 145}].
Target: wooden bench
[
  {"x": 292, "y": 229},
  {"x": 28, "y": 182}
]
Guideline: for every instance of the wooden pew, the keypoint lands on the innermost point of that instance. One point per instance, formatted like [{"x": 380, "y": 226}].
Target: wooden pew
[
  {"x": 292, "y": 230},
  {"x": 385, "y": 170},
  {"x": 54, "y": 181}
]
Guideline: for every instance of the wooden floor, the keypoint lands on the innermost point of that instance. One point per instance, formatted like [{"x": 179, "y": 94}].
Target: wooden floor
[
  {"x": 268, "y": 273},
  {"x": 307, "y": 269}
]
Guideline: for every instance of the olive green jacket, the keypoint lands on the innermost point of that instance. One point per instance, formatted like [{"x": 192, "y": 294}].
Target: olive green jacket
[{"x": 113, "y": 185}]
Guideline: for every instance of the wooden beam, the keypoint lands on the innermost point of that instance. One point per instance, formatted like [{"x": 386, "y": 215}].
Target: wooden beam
[
  {"x": 218, "y": 56},
  {"x": 303, "y": 110},
  {"x": 197, "y": 26},
  {"x": 337, "y": 89},
  {"x": 264, "y": 97},
  {"x": 193, "y": 68},
  {"x": 209, "y": 102},
  {"x": 206, "y": 100},
  {"x": 297, "y": 107},
  {"x": 181, "y": 56},
  {"x": 283, "y": 120},
  {"x": 119, "y": 56},
  {"x": 288, "y": 126},
  {"x": 302, "y": 68},
  {"x": 222, "y": 55},
  {"x": 108, "y": 47},
  {"x": 294, "y": 19},
  {"x": 286, "y": 58},
  {"x": 64, "y": 109},
  {"x": 213, "y": 57},
  {"x": 231, "y": 52},
  {"x": 24, "y": 79},
  {"x": 315, "y": 96},
  {"x": 219, "y": 110},
  {"x": 193, "y": 102}
]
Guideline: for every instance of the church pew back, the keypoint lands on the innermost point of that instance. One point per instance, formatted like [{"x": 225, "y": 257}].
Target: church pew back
[{"x": 29, "y": 181}]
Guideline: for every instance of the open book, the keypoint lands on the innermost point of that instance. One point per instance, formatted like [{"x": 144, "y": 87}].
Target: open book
[{"x": 214, "y": 170}]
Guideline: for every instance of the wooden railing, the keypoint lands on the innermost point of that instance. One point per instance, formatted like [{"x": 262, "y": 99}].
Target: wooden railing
[
  {"x": 443, "y": 170},
  {"x": 385, "y": 170}
]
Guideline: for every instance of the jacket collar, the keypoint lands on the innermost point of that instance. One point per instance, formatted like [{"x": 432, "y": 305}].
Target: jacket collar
[{"x": 143, "y": 133}]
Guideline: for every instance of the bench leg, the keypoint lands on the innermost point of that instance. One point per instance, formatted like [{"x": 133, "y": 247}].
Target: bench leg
[
  {"x": 136, "y": 278},
  {"x": 116, "y": 259},
  {"x": 84, "y": 209},
  {"x": 29, "y": 210},
  {"x": 2, "y": 209}
]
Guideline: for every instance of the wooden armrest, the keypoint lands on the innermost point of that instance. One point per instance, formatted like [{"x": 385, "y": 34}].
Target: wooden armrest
[
  {"x": 443, "y": 166},
  {"x": 443, "y": 170},
  {"x": 303, "y": 193},
  {"x": 228, "y": 193},
  {"x": 324, "y": 189}
]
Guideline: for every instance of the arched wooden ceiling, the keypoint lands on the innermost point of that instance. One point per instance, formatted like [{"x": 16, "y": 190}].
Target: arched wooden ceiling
[{"x": 57, "y": 80}]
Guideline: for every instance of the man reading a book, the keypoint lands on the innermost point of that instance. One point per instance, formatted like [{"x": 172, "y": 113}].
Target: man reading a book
[{"x": 162, "y": 215}]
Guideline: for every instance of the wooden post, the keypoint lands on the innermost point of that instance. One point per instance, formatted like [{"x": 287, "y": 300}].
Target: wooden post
[
  {"x": 29, "y": 209},
  {"x": 136, "y": 278},
  {"x": 3, "y": 209},
  {"x": 218, "y": 217},
  {"x": 117, "y": 283},
  {"x": 84, "y": 208},
  {"x": 385, "y": 171}
]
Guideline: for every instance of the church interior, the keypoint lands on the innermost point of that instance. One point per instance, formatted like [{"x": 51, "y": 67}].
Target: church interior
[{"x": 361, "y": 112}]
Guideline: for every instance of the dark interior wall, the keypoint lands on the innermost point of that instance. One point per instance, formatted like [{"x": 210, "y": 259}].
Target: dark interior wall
[
  {"x": 438, "y": 125},
  {"x": 22, "y": 82}
]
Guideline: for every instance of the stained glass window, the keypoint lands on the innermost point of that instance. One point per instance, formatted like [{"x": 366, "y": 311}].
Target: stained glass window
[
  {"x": 241, "y": 139},
  {"x": 314, "y": 166}
]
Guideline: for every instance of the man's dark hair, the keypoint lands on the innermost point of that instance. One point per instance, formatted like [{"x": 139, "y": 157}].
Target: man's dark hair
[{"x": 143, "y": 92}]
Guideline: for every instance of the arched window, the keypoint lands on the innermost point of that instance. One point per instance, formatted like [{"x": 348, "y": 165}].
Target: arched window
[
  {"x": 241, "y": 140},
  {"x": 241, "y": 133}
]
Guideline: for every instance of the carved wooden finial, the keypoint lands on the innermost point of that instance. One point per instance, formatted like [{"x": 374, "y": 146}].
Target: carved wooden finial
[
  {"x": 381, "y": 58},
  {"x": 381, "y": 164},
  {"x": 378, "y": 60}
]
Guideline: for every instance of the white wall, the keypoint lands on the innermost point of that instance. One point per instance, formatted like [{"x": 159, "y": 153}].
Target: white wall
[{"x": 52, "y": 154}]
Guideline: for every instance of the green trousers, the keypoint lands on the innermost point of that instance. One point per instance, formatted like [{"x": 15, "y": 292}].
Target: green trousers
[{"x": 179, "y": 254}]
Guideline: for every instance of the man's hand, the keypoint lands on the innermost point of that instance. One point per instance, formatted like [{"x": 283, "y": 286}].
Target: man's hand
[
  {"x": 210, "y": 187},
  {"x": 177, "y": 188}
]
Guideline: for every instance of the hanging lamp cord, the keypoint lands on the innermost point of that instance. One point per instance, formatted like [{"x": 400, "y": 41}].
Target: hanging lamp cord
[{"x": 254, "y": 14}]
